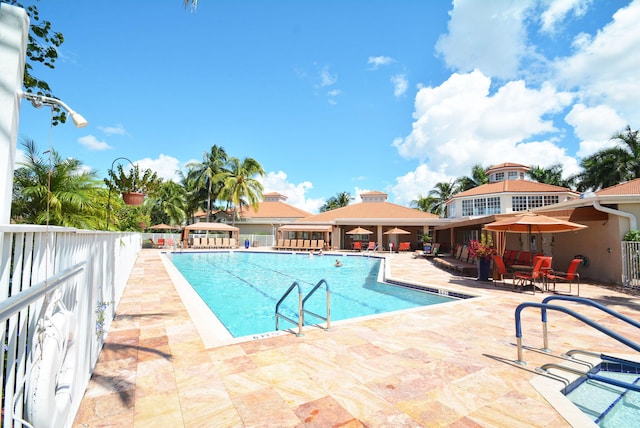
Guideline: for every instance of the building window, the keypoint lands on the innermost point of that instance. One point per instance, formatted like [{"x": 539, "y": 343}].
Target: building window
[
  {"x": 513, "y": 175},
  {"x": 524, "y": 203},
  {"x": 493, "y": 205},
  {"x": 451, "y": 210},
  {"x": 499, "y": 176},
  {"x": 467, "y": 207}
]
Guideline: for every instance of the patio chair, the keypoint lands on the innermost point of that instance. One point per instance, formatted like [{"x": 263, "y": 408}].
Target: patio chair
[
  {"x": 571, "y": 276},
  {"x": 501, "y": 271},
  {"x": 537, "y": 274},
  {"x": 160, "y": 242},
  {"x": 404, "y": 246},
  {"x": 357, "y": 246},
  {"x": 372, "y": 246},
  {"x": 510, "y": 257}
]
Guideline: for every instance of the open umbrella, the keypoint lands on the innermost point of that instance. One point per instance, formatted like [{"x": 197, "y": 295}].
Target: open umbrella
[
  {"x": 359, "y": 231},
  {"x": 533, "y": 223},
  {"x": 397, "y": 231},
  {"x": 163, "y": 226}
]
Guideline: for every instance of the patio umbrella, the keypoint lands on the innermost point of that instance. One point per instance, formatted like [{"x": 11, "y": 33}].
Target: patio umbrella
[
  {"x": 359, "y": 231},
  {"x": 533, "y": 223},
  {"x": 397, "y": 231},
  {"x": 163, "y": 226}
]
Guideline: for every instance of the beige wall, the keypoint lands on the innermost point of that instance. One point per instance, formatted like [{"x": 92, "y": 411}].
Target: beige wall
[{"x": 600, "y": 243}]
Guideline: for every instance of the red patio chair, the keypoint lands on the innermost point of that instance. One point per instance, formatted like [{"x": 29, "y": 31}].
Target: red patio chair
[
  {"x": 538, "y": 273},
  {"x": 502, "y": 271},
  {"x": 571, "y": 276},
  {"x": 357, "y": 246}
]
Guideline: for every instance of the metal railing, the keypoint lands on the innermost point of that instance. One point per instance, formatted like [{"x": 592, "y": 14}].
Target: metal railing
[
  {"x": 301, "y": 309},
  {"x": 327, "y": 319},
  {"x": 88, "y": 269},
  {"x": 544, "y": 307},
  {"x": 631, "y": 264}
]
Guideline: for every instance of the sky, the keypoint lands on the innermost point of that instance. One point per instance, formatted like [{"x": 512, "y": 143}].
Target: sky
[{"x": 335, "y": 96}]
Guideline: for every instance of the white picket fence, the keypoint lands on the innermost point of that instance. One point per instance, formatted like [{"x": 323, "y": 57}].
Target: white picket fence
[
  {"x": 631, "y": 264},
  {"x": 88, "y": 271}
]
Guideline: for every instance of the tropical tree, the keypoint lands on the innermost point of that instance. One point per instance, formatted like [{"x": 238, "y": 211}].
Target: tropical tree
[
  {"x": 551, "y": 175},
  {"x": 478, "y": 177},
  {"x": 442, "y": 192},
  {"x": 56, "y": 191},
  {"x": 240, "y": 187},
  {"x": 342, "y": 199},
  {"x": 168, "y": 204},
  {"x": 611, "y": 166},
  {"x": 425, "y": 203},
  {"x": 208, "y": 174}
]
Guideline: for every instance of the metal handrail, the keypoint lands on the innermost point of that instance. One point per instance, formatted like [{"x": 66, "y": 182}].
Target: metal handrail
[
  {"x": 300, "y": 321},
  {"x": 603, "y": 357},
  {"x": 546, "y": 306},
  {"x": 630, "y": 386},
  {"x": 32, "y": 294},
  {"x": 597, "y": 305},
  {"x": 313, "y": 290}
]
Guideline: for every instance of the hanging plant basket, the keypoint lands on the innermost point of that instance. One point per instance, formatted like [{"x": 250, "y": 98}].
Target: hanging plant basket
[{"x": 133, "y": 198}]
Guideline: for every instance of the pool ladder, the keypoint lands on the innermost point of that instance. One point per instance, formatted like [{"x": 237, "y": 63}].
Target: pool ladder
[{"x": 301, "y": 310}]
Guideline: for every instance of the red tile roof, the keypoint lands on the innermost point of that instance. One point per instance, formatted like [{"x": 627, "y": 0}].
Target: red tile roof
[
  {"x": 623, "y": 189},
  {"x": 512, "y": 186},
  {"x": 364, "y": 210}
]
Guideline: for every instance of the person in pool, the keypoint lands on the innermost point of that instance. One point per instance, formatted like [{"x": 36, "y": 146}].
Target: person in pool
[{"x": 338, "y": 263}]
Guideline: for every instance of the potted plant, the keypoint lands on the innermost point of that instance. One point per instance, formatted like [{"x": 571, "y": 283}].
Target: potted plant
[
  {"x": 134, "y": 184},
  {"x": 482, "y": 251},
  {"x": 426, "y": 241}
]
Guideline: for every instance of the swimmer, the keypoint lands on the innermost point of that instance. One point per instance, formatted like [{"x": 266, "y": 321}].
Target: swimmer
[{"x": 338, "y": 263}]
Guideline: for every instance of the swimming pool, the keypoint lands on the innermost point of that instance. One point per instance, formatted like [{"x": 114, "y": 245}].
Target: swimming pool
[
  {"x": 608, "y": 405},
  {"x": 242, "y": 288}
]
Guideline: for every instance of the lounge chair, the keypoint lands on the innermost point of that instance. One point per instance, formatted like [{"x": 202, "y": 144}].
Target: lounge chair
[
  {"x": 320, "y": 244},
  {"x": 232, "y": 243},
  {"x": 279, "y": 245},
  {"x": 357, "y": 246},
  {"x": 306, "y": 244},
  {"x": 313, "y": 245},
  {"x": 226, "y": 243},
  {"x": 404, "y": 246},
  {"x": 571, "y": 276}
]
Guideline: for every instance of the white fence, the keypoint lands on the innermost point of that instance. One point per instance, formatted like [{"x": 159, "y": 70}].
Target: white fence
[
  {"x": 59, "y": 288},
  {"x": 631, "y": 264}
]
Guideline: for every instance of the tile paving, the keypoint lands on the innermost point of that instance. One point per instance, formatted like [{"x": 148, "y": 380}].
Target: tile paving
[{"x": 443, "y": 365}]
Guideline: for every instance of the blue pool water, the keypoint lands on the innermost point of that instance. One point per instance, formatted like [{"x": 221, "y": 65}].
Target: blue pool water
[
  {"x": 242, "y": 288},
  {"x": 608, "y": 405}
]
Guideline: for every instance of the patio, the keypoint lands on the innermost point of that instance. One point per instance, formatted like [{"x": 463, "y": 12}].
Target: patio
[{"x": 442, "y": 365}]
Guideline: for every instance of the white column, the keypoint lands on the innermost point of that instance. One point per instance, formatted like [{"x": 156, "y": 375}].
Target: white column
[{"x": 14, "y": 31}]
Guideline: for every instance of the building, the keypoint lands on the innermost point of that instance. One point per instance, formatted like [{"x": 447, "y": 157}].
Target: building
[{"x": 374, "y": 214}]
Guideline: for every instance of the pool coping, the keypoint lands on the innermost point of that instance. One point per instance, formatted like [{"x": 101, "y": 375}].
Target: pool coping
[
  {"x": 214, "y": 334},
  {"x": 551, "y": 389}
]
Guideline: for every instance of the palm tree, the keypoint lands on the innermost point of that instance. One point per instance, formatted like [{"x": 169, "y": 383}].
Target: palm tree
[
  {"x": 56, "y": 191},
  {"x": 169, "y": 201},
  {"x": 442, "y": 192},
  {"x": 611, "y": 166},
  {"x": 342, "y": 199},
  {"x": 551, "y": 175},
  {"x": 478, "y": 177},
  {"x": 240, "y": 186},
  {"x": 209, "y": 174},
  {"x": 425, "y": 203}
]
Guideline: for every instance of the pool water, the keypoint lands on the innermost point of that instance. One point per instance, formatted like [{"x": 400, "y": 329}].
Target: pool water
[
  {"x": 609, "y": 405},
  {"x": 242, "y": 288}
]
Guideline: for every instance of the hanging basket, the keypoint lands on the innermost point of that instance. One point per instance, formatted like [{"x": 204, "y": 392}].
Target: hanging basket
[{"x": 133, "y": 198}]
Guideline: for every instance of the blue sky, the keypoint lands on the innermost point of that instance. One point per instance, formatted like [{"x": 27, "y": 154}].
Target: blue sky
[{"x": 333, "y": 96}]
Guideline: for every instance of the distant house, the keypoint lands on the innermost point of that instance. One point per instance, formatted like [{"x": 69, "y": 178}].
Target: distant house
[
  {"x": 374, "y": 214},
  {"x": 507, "y": 191},
  {"x": 272, "y": 212}
]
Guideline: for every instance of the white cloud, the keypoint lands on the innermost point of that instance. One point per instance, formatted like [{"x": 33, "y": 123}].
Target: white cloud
[
  {"x": 594, "y": 127},
  {"x": 295, "y": 193},
  {"x": 326, "y": 78},
  {"x": 91, "y": 143},
  {"x": 490, "y": 36},
  {"x": 460, "y": 123},
  {"x": 113, "y": 130},
  {"x": 559, "y": 9},
  {"x": 167, "y": 167},
  {"x": 604, "y": 67},
  {"x": 377, "y": 61},
  {"x": 400, "y": 84}
]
